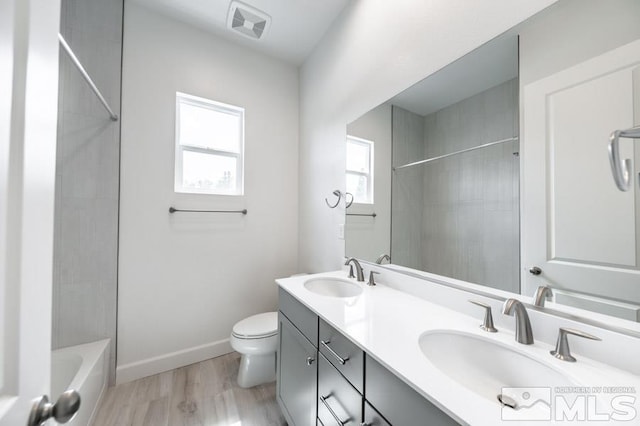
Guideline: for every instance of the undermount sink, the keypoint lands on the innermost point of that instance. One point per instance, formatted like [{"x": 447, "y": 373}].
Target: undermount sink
[
  {"x": 487, "y": 367},
  {"x": 333, "y": 287}
]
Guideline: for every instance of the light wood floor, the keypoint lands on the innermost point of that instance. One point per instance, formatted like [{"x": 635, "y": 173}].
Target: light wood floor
[{"x": 203, "y": 394}]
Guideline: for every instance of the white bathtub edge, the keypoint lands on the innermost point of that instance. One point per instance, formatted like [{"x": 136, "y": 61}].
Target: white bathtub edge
[
  {"x": 150, "y": 366},
  {"x": 103, "y": 391},
  {"x": 90, "y": 379}
]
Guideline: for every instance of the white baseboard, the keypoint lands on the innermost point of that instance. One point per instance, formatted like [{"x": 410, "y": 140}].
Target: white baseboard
[{"x": 158, "y": 364}]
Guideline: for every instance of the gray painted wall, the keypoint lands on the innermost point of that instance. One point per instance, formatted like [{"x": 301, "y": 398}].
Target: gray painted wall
[{"x": 87, "y": 178}]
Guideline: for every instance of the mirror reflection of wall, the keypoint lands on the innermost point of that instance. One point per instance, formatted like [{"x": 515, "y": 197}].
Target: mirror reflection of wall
[
  {"x": 369, "y": 137},
  {"x": 451, "y": 145},
  {"x": 455, "y": 213}
]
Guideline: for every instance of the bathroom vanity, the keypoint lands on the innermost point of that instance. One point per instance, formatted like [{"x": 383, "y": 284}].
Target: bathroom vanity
[
  {"x": 321, "y": 371},
  {"x": 352, "y": 354}
]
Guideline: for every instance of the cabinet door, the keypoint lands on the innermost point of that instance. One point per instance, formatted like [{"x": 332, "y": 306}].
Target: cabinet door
[
  {"x": 297, "y": 375},
  {"x": 372, "y": 417},
  {"x": 339, "y": 403},
  {"x": 397, "y": 402}
]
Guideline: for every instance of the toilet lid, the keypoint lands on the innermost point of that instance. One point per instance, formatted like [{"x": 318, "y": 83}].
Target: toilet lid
[{"x": 261, "y": 325}]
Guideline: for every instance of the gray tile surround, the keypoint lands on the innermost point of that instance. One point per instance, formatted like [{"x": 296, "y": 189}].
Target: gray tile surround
[
  {"x": 459, "y": 216},
  {"x": 87, "y": 178}
]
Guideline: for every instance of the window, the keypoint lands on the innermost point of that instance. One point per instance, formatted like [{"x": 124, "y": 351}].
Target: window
[
  {"x": 209, "y": 146},
  {"x": 360, "y": 169}
]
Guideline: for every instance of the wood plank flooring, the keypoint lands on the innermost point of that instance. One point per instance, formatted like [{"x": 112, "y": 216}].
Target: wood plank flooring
[{"x": 202, "y": 394}]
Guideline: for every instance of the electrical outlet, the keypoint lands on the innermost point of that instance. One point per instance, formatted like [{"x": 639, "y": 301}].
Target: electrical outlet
[{"x": 341, "y": 231}]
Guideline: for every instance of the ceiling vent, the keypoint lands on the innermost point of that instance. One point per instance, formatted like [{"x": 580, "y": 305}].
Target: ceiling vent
[{"x": 247, "y": 20}]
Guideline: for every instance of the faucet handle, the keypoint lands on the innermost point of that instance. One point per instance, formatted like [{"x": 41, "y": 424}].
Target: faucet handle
[
  {"x": 372, "y": 281},
  {"x": 487, "y": 324},
  {"x": 562, "y": 345},
  {"x": 351, "y": 275}
]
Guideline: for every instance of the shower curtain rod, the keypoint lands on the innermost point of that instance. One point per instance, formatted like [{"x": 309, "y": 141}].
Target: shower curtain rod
[
  {"x": 86, "y": 76},
  {"x": 440, "y": 157}
]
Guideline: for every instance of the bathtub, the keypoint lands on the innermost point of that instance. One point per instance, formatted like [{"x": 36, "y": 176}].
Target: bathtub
[{"x": 85, "y": 369}]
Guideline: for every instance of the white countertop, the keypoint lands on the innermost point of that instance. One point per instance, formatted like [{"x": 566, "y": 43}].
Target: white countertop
[{"x": 388, "y": 323}]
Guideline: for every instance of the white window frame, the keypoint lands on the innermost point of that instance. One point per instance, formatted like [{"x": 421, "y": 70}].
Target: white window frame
[
  {"x": 183, "y": 98},
  {"x": 371, "y": 174}
]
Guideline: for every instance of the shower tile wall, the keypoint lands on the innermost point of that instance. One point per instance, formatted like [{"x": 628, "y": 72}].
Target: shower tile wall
[
  {"x": 87, "y": 177},
  {"x": 459, "y": 216},
  {"x": 471, "y": 201},
  {"x": 407, "y": 193}
]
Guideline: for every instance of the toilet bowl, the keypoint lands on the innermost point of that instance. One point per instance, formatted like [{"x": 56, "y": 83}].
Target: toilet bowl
[{"x": 256, "y": 339}]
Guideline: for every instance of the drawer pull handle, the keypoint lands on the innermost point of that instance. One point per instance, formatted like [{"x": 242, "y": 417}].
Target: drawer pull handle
[
  {"x": 310, "y": 360},
  {"x": 332, "y": 352},
  {"x": 323, "y": 399}
]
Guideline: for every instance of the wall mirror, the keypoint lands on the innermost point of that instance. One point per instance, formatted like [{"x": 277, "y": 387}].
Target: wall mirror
[{"x": 495, "y": 171}]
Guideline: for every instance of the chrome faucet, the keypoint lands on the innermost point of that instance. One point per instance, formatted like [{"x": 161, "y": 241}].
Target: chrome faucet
[
  {"x": 383, "y": 257},
  {"x": 542, "y": 293},
  {"x": 524, "y": 334},
  {"x": 359, "y": 271}
]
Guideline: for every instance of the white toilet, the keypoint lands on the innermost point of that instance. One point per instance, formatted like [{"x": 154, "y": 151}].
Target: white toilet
[{"x": 256, "y": 339}]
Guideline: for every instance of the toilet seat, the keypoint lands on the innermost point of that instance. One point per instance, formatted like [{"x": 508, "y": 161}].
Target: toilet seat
[{"x": 258, "y": 326}]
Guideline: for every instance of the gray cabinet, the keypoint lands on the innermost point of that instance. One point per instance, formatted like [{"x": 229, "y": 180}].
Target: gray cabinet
[
  {"x": 301, "y": 316},
  {"x": 345, "y": 356},
  {"x": 327, "y": 380},
  {"x": 372, "y": 417},
  {"x": 339, "y": 403},
  {"x": 297, "y": 375},
  {"x": 397, "y": 401},
  {"x": 297, "y": 361}
]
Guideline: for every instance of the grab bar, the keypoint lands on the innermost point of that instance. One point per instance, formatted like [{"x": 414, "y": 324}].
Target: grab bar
[
  {"x": 174, "y": 210},
  {"x": 86, "y": 76},
  {"x": 621, "y": 169},
  {"x": 362, "y": 214}
]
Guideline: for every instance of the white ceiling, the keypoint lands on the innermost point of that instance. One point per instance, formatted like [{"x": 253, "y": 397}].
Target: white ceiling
[
  {"x": 296, "y": 25},
  {"x": 487, "y": 66}
]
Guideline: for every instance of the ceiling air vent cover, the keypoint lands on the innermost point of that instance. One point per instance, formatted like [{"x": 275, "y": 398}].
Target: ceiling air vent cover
[{"x": 248, "y": 20}]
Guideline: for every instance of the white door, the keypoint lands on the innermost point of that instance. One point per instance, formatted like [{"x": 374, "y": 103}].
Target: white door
[
  {"x": 577, "y": 227},
  {"x": 28, "y": 115}
]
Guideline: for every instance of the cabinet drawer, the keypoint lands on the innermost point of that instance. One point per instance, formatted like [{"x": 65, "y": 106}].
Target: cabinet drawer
[
  {"x": 343, "y": 354},
  {"x": 338, "y": 402},
  {"x": 301, "y": 316},
  {"x": 400, "y": 404},
  {"x": 372, "y": 417}
]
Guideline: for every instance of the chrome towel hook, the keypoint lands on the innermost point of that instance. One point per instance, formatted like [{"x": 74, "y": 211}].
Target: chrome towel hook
[
  {"x": 348, "y": 202},
  {"x": 338, "y": 194},
  {"x": 621, "y": 169}
]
